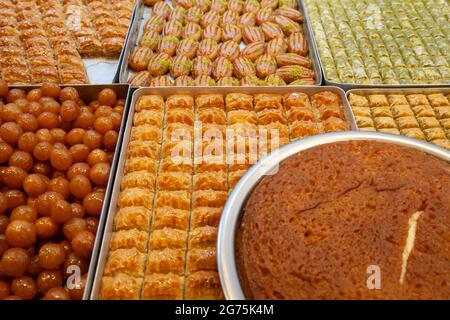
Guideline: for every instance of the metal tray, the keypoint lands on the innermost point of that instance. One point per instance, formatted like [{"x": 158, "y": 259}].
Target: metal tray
[
  {"x": 88, "y": 93},
  {"x": 164, "y": 92},
  {"x": 349, "y": 86},
  {"x": 143, "y": 13},
  {"x": 233, "y": 208}
]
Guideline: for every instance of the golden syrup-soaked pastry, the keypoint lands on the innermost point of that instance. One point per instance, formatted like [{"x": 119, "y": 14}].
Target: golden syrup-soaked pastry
[
  {"x": 201, "y": 260},
  {"x": 212, "y": 131},
  {"x": 169, "y": 164},
  {"x": 397, "y": 100},
  {"x": 151, "y": 117},
  {"x": 179, "y": 150},
  {"x": 242, "y": 116},
  {"x": 438, "y": 99},
  {"x": 132, "y": 218},
  {"x": 273, "y": 131},
  {"x": 296, "y": 100},
  {"x": 40, "y": 52},
  {"x": 434, "y": 134},
  {"x": 378, "y": 100},
  {"x": 211, "y": 181},
  {"x": 407, "y": 122},
  {"x": 444, "y": 143},
  {"x": 361, "y": 112},
  {"x": 384, "y": 122},
  {"x": 146, "y": 133},
  {"x": 16, "y": 75},
  {"x": 244, "y": 162},
  {"x": 138, "y": 197},
  {"x": 267, "y": 116},
  {"x": 73, "y": 76},
  {"x": 125, "y": 261},
  {"x": 184, "y": 81},
  {"x": 212, "y": 115},
  {"x": 301, "y": 129},
  {"x": 140, "y": 164},
  {"x": 428, "y": 122},
  {"x": 239, "y": 101},
  {"x": 417, "y": 99},
  {"x": 128, "y": 239},
  {"x": 148, "y": 149},
  {"x": 334, "y": 124},
  {"x": 180, "y": 101},
  {"x": 173, "y": 199},
  {"x": 205, "y": 216},
  {"x": 167, "y": 238},
  {"x": 203, "y": 285},
  {"x": 170, "y": 218},
  {"x": 390, "y": 130},
  {"x": 268, "y": 101},
  {"x": 423, "y": 111},
  {"x": 139, "y": 58},
  {"x": 185, "y": 116},
  {"x": 172, "y": 181},
  {"x": 166, "y": 261},
  {"x": 445, "y": 123},
  {"x": 358, "y": 101},
  {"x": 202, "y": 237},
  {"x": 158, "y": 286},
  {"x": 442, "y": 112},
  {"x": 325, "y": 98},
  {"x": 162, "y": 81},
  {"x": 242, "y": 129},
  {"x": 206, "y": 101},
  {"x": 210, "y": 198},
  {"x": 233, "y": 178},
  {"x": 402, "y": 111},
  {"x": 120, "y": 287},
  {"x": 415, "y": 133},
  {"x": 176, "y": 130},
  {"x": 140, "y": 79},
  {"x": 331, "y": 111},
  {"x": 381, "y": 112},
  {"x": 150, "y": 102},
  {"x": 138, "y": 179},
  {"x": 364, "y": 122},
  {"x": 8, "y": 61}
]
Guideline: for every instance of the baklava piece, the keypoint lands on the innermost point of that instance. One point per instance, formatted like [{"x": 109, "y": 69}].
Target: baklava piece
[
  {"x": 209, "y": 198},
  {"x": 378, "y": 100},
  {"x": 201, "y": 260},
  {"x": 149, "y": 117},
  {"x": 397, "y": 99},
  {"x": 423, "y": 111},
  {"x": 301, "y": 129},
  {"x": 442, "y": 112},
  {"x": 212, "y": 115},
  {"x": 125, "y": 261},
  {"x": 415, "y": 133},
  {"x": 203, "y": 285},
  {"x": 140, "y": 58},
  {"x": 140, "y": 79},
  {"x": 417, "y": 99},
  {"x": 399, "y": 111},
  {"x": 239, "y": 101},
  {"x": 205, "y": 216},
  {"x": 303, "y": 114},
  {"x": 172, "y": 181},
  {"x": 148, "y": 149},
  {"x": 140, "y": 164},
  {"x": 202, "y": 237},
  {"x": 296, "y": 100},
  {"x": 180, "y": 101},
  {"x": 135, "y": 197},
  {"x": 167, "y": 217},
  {"x": 444, "y": 143},
  {"x": 173, "y": 199},
  {"x": 216, "y": 181},
  {"x": 166, "y": 261},
  {"x": 146, "y": 133},
  {"x": 325, "y": 98},
  {"x": 120, "y": 287},
  {"x": 242, "y": 116},
  {"x": 265, "y": 101},
  {"x": 184, "y": 116},
  {"x": 407, "y": 122},
  {"x": 334, "y": 124},
  {"x": 163, "y": 287},
  {"x": 138, "y": 179},
  {"x": 210, "y": 101},
  {"x": 364, "y": 122},
  {"x": 389, "y": 130},
  {"x": 434, "y": 134},
  {"x": 428, "y": 122},
  {"x": 167, "y": 238},
  {"x": 132, "y": 218},
  {"x": 438, "y": 99},
  {"x": 150, "y": 102},
  {"x": 129, "y": 239},
  {"x": 381, "y": 112},
  {"x": 267, "y": 116}
]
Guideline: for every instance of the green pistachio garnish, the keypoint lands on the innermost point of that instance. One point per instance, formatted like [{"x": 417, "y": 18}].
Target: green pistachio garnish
[
  {"x": 189, "y": 65},
  {"x": 297, "y": 71},
  {"x": 165, "y": 63},
  {"x": 228, "y": 65},
  {"x": 172, "y": 39}
]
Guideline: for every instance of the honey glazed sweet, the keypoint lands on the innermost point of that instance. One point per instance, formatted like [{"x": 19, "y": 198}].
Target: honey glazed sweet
[
  {"x": 56, "y": 151},
  {"x": 420, "y": 116},
  {"x": 163, "y": 244},
  {"x": 46, "y": 40},
  {"x": 225, "y": 43}
]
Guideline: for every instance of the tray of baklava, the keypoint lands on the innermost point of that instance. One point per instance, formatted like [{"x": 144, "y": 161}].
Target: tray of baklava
[
  {"x": 62, "y": 41},
  {"x": 362, "y": 43},
  {"x": 419, "y": 113},
  {"x": 184, "y": 150},
  {"x": 224, "y": 43}
]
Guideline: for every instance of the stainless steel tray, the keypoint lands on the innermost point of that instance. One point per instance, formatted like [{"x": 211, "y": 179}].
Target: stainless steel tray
[
  {"x": 144, "y": 12},
  {"x": 349, "y": 86},
  {"x": 233, "y": 209},
  {"x": 164, "y": 92},
  {"x": 88, "y": 93}
]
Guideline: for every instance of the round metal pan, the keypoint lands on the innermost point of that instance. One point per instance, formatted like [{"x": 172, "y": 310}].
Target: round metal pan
[{"x": 231, "y": 215}]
